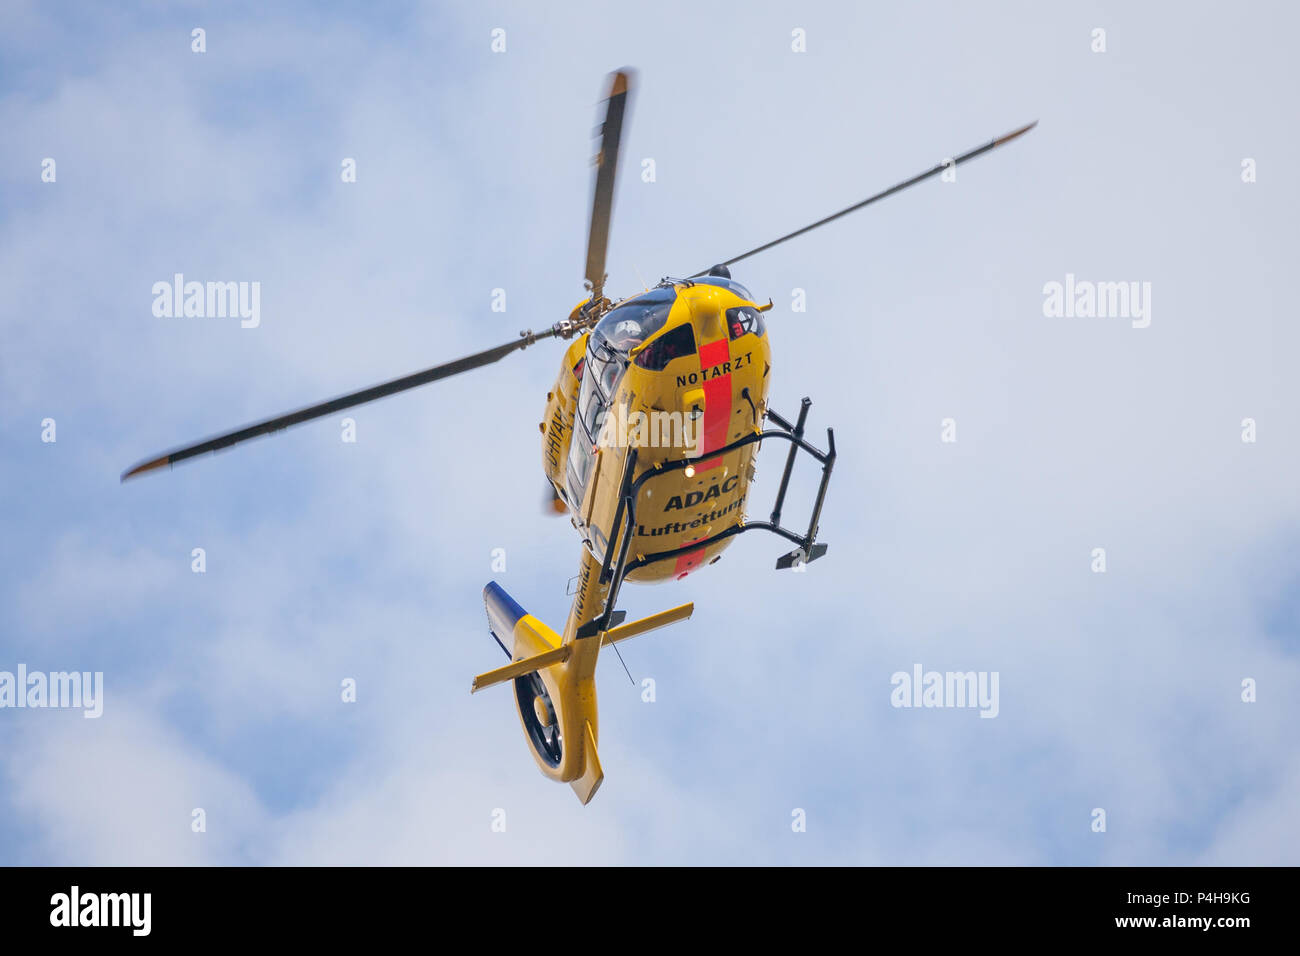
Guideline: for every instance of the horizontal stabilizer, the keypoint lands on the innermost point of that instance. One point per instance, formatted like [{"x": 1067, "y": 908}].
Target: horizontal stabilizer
[
  {"x": 651, "y": 623},
  {"x": 557, "y": 655}
]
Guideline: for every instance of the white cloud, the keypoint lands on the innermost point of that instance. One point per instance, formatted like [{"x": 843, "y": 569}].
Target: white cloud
[{"x": 328, "y": 560}]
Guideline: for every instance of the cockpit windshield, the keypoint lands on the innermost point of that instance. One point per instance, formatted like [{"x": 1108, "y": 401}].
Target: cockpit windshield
[
  {"x": 627, "y": 326},
  {"x": 618, "y": 332}
]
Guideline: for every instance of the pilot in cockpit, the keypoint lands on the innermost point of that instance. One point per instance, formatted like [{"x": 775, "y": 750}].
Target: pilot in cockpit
[{"x": 627, "y": 335}]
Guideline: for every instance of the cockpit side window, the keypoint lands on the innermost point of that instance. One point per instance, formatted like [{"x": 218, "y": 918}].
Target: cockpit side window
[
  {"x": 581, "y": 457},
  {"x": 590, "y": 406},
  {"x": 743, "y": 320},
  {"x": 604, "y": 369},
  {"x": 671, "y": 345}
]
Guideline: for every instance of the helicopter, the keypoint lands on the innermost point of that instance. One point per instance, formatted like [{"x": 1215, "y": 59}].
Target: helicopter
[{"x": 649, "y": 439}]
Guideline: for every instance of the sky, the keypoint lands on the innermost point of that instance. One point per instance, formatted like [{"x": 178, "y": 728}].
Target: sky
[{"x": 1161, "y": 691}]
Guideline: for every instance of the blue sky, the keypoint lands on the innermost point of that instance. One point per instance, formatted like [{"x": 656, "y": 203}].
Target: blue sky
[{"x": 328, "y": 561}]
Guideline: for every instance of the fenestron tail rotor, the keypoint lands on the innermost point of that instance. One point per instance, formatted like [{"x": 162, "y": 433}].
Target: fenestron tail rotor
[
  {"x": 899, "y": 187},
  {"x": 602, "y": 201},
  {"x": 373, "y": 393}
]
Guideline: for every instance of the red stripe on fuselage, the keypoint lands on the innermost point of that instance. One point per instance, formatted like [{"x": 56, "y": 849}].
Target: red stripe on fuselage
[
  {"x": 717, "y": 400},
  {"x": 714, "y": 353},
  {"x": 717, "y": 415},
  {"x": 688, "y": 562}
]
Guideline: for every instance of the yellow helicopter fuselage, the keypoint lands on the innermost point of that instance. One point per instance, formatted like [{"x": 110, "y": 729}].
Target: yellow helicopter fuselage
[
  {"x": 697, "y": 383},
  {"x": 675, "y": 374}
]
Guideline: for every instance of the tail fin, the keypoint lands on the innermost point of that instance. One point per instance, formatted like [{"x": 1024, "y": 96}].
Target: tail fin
[{"x": 503, "y": 613}]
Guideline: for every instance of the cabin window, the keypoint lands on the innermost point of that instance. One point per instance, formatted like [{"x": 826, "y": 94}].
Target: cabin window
[
  {"x": 671, "y": 345},
  {"x": 743, "y": 320}
]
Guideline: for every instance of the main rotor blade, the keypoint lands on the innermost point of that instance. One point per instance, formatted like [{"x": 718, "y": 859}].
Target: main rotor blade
[
  {"x": 992, "y": 144},
  {"x": 383, "y": 390},
  {"x": 602, "y": 202}
]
